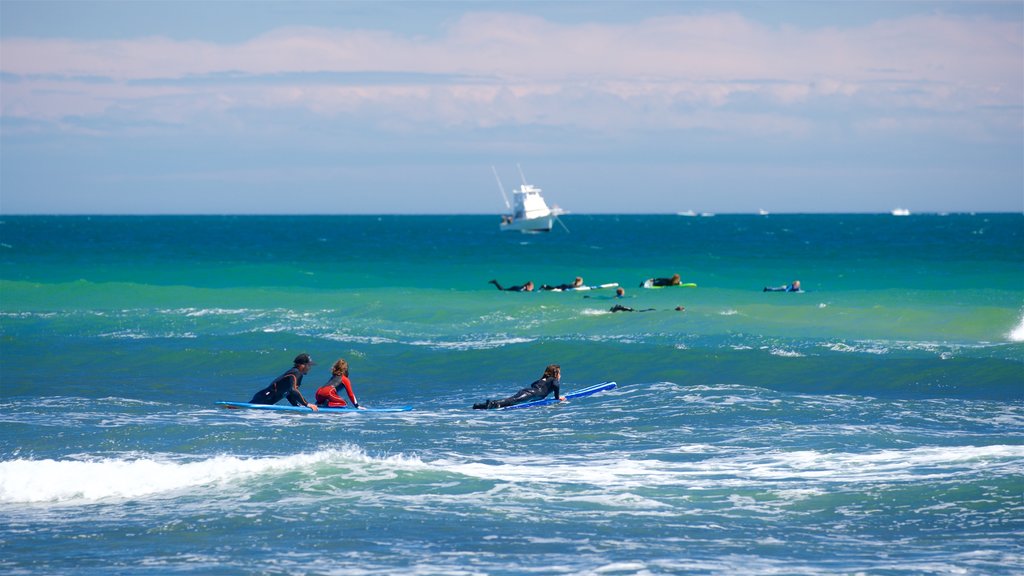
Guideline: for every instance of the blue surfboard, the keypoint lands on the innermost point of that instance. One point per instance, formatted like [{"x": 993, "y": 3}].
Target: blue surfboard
[
  {"x": 588, "y": 391},
  {"x": 290, "y": 408}
]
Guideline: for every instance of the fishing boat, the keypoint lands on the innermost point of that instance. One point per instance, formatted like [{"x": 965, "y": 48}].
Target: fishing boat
[
  {"x": 900, "y": 212},
  {"x": 530, "y": 214}
]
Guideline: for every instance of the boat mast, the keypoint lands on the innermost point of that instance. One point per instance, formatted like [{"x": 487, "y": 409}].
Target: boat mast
[
  {"x": 500, "y": 187},
  {"x": 521, "y": 175}
]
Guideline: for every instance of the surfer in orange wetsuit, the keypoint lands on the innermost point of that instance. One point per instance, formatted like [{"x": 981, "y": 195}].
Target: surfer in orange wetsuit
[{"x": 327, "y": 395}]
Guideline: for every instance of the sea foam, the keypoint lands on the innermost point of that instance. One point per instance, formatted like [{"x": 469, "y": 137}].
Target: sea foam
[
  {"x": 1017, "y": 334},
  {"x": 96, "y": 479}
]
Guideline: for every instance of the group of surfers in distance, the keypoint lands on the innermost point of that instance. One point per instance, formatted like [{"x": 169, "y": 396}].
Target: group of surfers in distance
[
  {"x": 620, "y": 292},
  {"x": 286, "y": 386},
  {"x": 529, "y": 287},
  {"x": 576, "y": 284}
]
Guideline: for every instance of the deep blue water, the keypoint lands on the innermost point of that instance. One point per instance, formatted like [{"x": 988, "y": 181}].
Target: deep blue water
[{"x": 872, "y": 424}]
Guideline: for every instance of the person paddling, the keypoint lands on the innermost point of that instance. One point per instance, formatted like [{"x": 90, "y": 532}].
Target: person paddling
[{"x": 539, "y": 390}]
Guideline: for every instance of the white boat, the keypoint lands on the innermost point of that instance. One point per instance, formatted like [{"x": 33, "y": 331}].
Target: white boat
[
  {"x": 688, "y": 213},
  {"x": 900, "y": 212},
  {"x": 530, "y": 214}
]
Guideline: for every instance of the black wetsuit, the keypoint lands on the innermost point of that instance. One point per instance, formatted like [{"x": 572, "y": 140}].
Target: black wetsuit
[
  {"x": 537, "y": 391},
  {"x": 285, "y": 386},
  {"x": 621, "y": 308},
  {"x": 520, "y": 288},
  {"x": 663, "y": 282}
]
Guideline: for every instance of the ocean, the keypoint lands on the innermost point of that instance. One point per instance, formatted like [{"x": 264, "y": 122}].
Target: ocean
[{"x": 872, "y": 424}]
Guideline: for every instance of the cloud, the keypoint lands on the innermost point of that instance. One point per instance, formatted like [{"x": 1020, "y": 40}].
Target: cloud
[{"x": 494, "y": 69}]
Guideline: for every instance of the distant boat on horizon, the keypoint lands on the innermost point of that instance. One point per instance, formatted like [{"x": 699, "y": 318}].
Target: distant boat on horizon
[
  {"x": 530, "y": 214},
  {"x": 689, "y": 213},
  {"x": 900, "y": 212}
]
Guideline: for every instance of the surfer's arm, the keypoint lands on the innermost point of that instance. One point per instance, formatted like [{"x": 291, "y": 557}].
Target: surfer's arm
[
  {"x": 296, "y": 397},
  {"x": 348, "y": 390},
  {"x": 558, "y": 392}
]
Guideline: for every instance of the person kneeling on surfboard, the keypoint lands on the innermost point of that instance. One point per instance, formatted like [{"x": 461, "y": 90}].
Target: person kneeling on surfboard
[
  {"x": 539, "y": 390},
  {"x": 287, "y": 385},
  {"x": 327, "y": 395}
]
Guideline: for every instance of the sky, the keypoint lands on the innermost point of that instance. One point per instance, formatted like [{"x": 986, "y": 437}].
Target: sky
[{"x": 150, "y": 107}]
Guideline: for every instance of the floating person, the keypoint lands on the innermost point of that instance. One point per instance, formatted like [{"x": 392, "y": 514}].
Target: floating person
[
  {"x": 528, "y": 287},
  {"x": 327, "y": 395},
  {"x": 539, "y": 390},
  {"x": 673, "y": 281},
  {"x": 794, "y": 287},
  {"x": 621, "y": 308},
  {"x": 620, "y": 292},
  {"x": 577, "y": 283},
  {"x": 287, "y": 385}
]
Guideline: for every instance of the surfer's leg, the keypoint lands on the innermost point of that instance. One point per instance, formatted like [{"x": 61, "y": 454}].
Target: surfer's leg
[
  {"x": 524, "y": 395},
  {"x": 495, "y": 282}
]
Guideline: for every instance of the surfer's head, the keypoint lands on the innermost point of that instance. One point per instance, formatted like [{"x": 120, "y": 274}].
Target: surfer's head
[
  {"x": 553, "y": 371},
  {"x": 340, "y": 368},
  {"x": 303, "y": 362}
]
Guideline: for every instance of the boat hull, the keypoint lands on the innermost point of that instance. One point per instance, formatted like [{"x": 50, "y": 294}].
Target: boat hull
[{"x": 530, "y": 225}]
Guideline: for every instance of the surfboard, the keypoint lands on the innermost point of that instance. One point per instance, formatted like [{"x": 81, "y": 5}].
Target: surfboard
[
  {"x": 588, "y": 391},
  {"x": 649, "y": 283},
  {"x": 290, "y": 408},
  {"x": 584, "y": 287}
]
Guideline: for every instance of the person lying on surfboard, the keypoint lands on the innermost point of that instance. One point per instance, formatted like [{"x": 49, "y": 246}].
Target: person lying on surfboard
[
  {"x": 578, "y": 282},
  {"x": 794, "y": 287},
  {"x": 528, "y": 287},
  {"x": 327, "y": 395},
  {"x": 673, "y": 281},
  {"x": 287, "y": 385},
  {"x": 539, "y": 390}
]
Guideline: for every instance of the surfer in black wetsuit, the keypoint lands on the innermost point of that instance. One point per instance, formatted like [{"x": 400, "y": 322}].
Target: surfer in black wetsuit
[
  {"x": 528, "y": 287},
  {"x": 539, "y": 390},
  {"x": 673, "y": 281},
  {"x": 577, "y": 283},
  {"x": 287, "y": 385},
  {"x": 621, "y": 308}
]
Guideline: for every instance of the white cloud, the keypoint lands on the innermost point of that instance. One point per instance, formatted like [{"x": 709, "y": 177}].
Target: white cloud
[{"x": 492, "y": 69}]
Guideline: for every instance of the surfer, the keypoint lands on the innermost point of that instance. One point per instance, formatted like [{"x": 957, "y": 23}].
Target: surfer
[
  {"x": 327, "y": 395},
  {"x": 794, "y": 287},
  {"x": 673, "y": 281},
  {"x": 621, "y": 308},
  {"x": 539, "y": 390},
  {"x": 577, "y": 283},
  {"x": 287, "y": 385},
  {"x": 528, "y": 287}
]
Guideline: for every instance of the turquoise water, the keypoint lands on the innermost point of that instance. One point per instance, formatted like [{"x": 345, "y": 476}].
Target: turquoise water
[{"x": 872, "y": 424}]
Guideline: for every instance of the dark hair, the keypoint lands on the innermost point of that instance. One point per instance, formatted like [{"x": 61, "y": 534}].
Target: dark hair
[{"x": 551, "y": 371}]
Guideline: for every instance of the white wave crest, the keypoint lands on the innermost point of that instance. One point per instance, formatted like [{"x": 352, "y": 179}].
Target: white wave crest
[
  {"x": 781, "y": 469},
  {"x": 482, "y": 344},
  {"x": 1017, "y": 334},
  {"x": 90, "y": 480}
]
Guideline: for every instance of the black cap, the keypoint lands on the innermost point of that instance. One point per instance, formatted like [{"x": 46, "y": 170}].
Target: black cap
[{"x": 304, "y": 359}]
